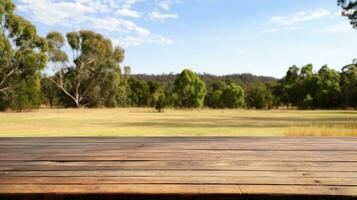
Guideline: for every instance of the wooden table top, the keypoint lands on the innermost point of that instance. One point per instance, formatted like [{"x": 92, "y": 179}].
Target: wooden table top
[{"x": 179, "y": 166}]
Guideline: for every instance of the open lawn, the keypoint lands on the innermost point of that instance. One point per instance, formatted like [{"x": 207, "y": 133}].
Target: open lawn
[{"x": 147, "y": 122}]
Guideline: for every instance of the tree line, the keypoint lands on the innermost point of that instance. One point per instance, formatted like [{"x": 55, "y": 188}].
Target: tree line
[{"x": 90, "y": 75}]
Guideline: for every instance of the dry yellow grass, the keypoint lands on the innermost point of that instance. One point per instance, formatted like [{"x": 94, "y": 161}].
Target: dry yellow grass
[
  {"x": 205, "y": 122},
  {"x": 324, "y": 130}
]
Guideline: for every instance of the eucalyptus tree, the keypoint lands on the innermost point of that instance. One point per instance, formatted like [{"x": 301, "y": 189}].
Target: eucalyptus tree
[
  {"x": 329, "y": 90},
  {"x": 259, "y": 97},
  {"x": 349, "y": 10},
  {"x": 127, "y": 71},
  {"x": 214, "y": 94},
  {"x": 349, "y": 86},
  {"x": 22, "y": 57},
  {"x": 233, "y": 96},
  {"x": 93, "y": 75},
  {"x": 287, "y": 91},
  {"x": 189, "y": 90},
  {"x": 139, "y": 93}
]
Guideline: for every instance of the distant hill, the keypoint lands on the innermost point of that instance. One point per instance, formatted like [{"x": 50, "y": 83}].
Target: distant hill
[{"x": 246, "y": 78}]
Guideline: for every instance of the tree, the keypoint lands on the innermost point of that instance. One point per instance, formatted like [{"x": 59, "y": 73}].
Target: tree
[
  {"x": 308, "y": 87},
  {"x": 259, "y": 97},
  {"x": 349, "y": 86},
  {"x": 95, "y": 62},
  {"x": 22, "y": 57},
  {"x": 189, "y": 90},
  {"x": 308, "y": 102},
  {"x": 288, "y": 89},
  {"x": 312, "y": 90},
  {"x": 349, "y": 10},
  {"x": 50, "y": 93},
  {"x": 157, "y": 97},
  {"x": 233, "y": 96},
  {"x": 329, "y": 91},
  {"x": 214, "y": 95},
  {"x": 296, "y": 85},
  {"x": 275, "y": 90},
  {"x": 160, "y": 100},
  {"x": 127, "y": 71},
  {"x": 108, "y": 92},
  {"x": 139, "y": 93}
]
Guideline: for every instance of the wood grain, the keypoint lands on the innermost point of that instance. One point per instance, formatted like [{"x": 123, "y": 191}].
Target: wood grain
[{"x": 182, "y": 166}]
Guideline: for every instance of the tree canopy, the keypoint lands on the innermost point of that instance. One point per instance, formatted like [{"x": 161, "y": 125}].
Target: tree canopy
[
  {"x": 349, "y": 9},
  {"x": 93, "y": 77},
  {"x": 189, "y": 89},
  {"x": 22, "y": 57}
]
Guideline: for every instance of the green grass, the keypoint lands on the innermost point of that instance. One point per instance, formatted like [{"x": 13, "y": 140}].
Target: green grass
[{"x": 147, "y": 122}]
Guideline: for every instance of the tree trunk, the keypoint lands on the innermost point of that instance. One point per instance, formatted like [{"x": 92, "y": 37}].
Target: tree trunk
[{"x": 78, "y": 105}]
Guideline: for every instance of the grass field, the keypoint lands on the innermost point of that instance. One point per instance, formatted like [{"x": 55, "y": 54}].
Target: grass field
[{"x": 147, "y": 122}]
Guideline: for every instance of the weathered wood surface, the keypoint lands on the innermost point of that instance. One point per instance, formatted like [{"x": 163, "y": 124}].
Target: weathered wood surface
[{"x": 179, "y": 166}]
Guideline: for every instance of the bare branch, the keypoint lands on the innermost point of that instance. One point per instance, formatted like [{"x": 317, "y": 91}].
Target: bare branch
[
  {"x": 4, "y": 89},
  {"x": 8, "y": 76},
  {"x": 60, "y": 86}
]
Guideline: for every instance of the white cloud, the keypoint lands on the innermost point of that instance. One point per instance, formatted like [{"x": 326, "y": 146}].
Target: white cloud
[
  {"x": 166, "y": 4},
  {"x": 125, "y": 12},
  {"x": 126, "y": 8},
  {"x": 52, "y": 13},
  {"x": 296, "y": 22},
  {"x": 160, "y": 16},
  {"x": 300, "y": 17},
  {"x": 96, "y": 15}
]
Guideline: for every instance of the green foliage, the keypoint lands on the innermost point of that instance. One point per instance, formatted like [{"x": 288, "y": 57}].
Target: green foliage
[
  {"x": 308, "y": 102},
  {"x": 329, "y": 91},
  {"x": 189, "y": 90},
  {"x": 127, "y": 71},
  {"x": 160, "y": 100},
  {"x": 73, "y": 39},
  {"x": 139, "y": 93},
  {"x": 50, "y": 93},
  {"x": 232, "y": 96},
  {"x": 118, "y": 54},
  {"x": 94, "y": 78},
  {"x": 349, "y": 10},
  {"x": 306, "y": 89},
  {"x": 349, "y": 86},
  {"x": 214, "y": 95},
  {"x": 22, "y": 57},
  {"x": 157, "y": 97},
  {"x": 259, "y": 97},
  {"x": 55, "y": 42}
]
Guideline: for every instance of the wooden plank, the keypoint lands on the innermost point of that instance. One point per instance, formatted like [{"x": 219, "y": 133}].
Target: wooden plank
[
  {"x": 246, "y": 165},
  {"x": 180, "y": 189},
  {"x": 169, "y": 138},
  {"x": 121, "y": 189},
  {"x": 192, "y": 156},
  {"x": 178, "y": 173},
  {"x": 181, "y": 165},
  {"x": 169, "y": 142},
  {"x": 297, "y": 190},
  {"x": 179, "y": 146},
  {"x": 207, "y": 180},
  {"x": 183, "y": 153}
]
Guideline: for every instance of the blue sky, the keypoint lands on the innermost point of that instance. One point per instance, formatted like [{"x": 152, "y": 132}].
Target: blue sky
[{"x": 262, "y": 37}]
